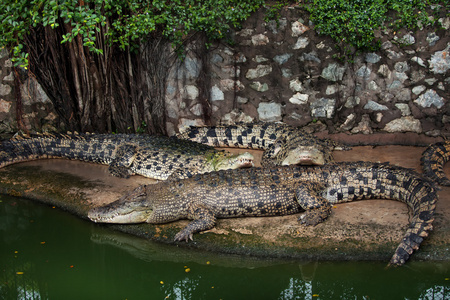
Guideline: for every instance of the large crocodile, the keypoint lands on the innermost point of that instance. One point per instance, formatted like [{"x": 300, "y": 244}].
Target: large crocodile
[
  {"x": 155, "y": 157},
  {"x": 277, "y": 191},
  {"x": 282, "y": 144},
  {"x": 433, "y": 160}
]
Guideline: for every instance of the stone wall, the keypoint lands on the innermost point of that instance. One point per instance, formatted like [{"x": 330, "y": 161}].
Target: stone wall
[
  {"x": 289, "y": 73},
  {"x": 34, "y": 107}
]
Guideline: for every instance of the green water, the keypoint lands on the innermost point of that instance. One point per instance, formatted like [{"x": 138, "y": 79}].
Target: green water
[{"x": 49, "y": 254}]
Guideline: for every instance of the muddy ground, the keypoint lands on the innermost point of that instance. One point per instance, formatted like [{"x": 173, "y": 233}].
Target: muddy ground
[{"x": 364, "y": 230}]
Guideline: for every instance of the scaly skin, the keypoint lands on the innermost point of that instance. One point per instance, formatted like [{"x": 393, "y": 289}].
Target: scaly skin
[
  {"x": 155, "y": 157},
  {"x": 433, "y": 160},
  {"x": 282, "y": 144},
  {"x": 277, "y": 191}
]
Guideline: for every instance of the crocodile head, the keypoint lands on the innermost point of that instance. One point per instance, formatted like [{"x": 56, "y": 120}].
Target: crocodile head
[
  {"x": 303, "y": 155},
  {"x": 131, "y": 208},
  {"x": 234, "y": 161}
]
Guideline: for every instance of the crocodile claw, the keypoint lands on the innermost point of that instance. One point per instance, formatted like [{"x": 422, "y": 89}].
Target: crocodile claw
[
  {"x": 311, "y": 218},
  {"x": 183, "y": 235}
]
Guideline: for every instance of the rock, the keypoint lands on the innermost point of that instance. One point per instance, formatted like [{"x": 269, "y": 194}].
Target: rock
[
  {"x": 191, "y": 92},
  {"x": 301, "y": 43},
  {"x": 440, "y": 61},
  {"x": 331, "y": 89},
  {"x": 400, "y": 76},
  {"x": 9, "y": 77},
  {"x": 5, "y": 89},
  {"x": 231, "y": 85},
  {"x": 32, "y": 92},
  {"x": 260, "y": 59},
  {"x": 258, "y": 86},
  {"x": 352, "y": 102},
  {"x": 323, "y": 108},
  {"x": 432, "y": 38},
  {"x": 217, "y": 94},
  {"x": 269, "y": 112},
  {"x": 430, "y": 81},
  {"x": 312, "y": 56},
  {"x": 396, "y": 84},
  {"x": 348, "y": 123},
  {"x": 384, "y": 71},
  {"x": 260, "y": 71},
  {"x": 299, "y": 99},
  {"x": 372, "y": 105},
  {"x": 445, "y": 22},
  {"x": 393, "y": 55},
  {"x": 372, "y": 58},
  {"x": 373, "y": 86},
  {"x": 5, "y": 106},
  {"x": 403, "y": 94},
  {"x": 298, "y": 28},
  {"x": 419, "y": 61},
  {"x": 404, "y": 108},
  {"x": 363, "y": 126},
  {"x": 275, "y": 25},
  {"x": 404, "y": 124},
  {"x": 259, "y": 40},
  {"x": 417, "y": 90},
  {"x": 401, "y": 67},
  {"x": 417, "y": 76},
  {"x": 295, "y": 85},
  {"x": 216, "y": 59},
  {"x": 282, "y": 59},
  {"x": 235, "y": 116},
  {"x": 430, "y": 98},
  {"x": 364, "y": 72},
  {"x": 196, "y": 110},
  {"x": 407, "y": 40},
  {"x": 241, "y": 100},
  {"x": 333, "y": 72},
  {"x": 286, "y": 73}
]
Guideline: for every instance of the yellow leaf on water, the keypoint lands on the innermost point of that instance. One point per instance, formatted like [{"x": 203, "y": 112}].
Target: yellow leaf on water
[
  {"x": 315, "y": 295},
  {"x": 187, "y": 270},
  {"x": 42, "y": 243},
  {"x": 162, "y": 282},
  {"x": 19, "y": 273},
  {"x": 208, "y": 262}
]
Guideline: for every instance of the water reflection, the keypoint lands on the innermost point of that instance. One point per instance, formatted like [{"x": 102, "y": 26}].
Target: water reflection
[{"x": 48, "y": 254}]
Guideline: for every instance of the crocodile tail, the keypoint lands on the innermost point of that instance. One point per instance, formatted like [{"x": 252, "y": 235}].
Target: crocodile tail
[
  {"x": 421, "y": 197},
  {"x": 250, "y": 136},
  {"x": 23, "y": 148},
  {"x": 433, "y": 161}
]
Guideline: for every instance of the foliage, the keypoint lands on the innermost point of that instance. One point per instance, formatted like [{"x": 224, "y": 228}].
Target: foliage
[
  {"x": 274, "y": 10},
  {"x": 353, "y": 23},
  {"x": 126, "y": 22}
]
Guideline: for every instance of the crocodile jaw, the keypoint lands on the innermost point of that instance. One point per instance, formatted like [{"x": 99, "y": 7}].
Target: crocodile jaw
[
  {"x": 131, "y": 208},
  {"x": 102, "y": 215},
  {"x": 306, "y": 156},
  {"x": 242, "y": 160}
]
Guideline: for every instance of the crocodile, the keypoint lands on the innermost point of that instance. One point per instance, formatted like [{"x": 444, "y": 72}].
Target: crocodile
[
  {"x": 277, "y": 191},
  {"x": 156, "y": 157},
  {"x": 433, "y": 160},
  {"x": 282, "y": 144}
]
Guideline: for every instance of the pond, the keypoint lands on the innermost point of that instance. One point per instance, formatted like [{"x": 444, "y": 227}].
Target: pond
[{"x": 46, "y": 253}]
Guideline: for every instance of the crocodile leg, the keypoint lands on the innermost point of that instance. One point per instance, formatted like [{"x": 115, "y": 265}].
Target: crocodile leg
[
  {"x": 317, "y": 207},
  {"x": 203, "y": 219},
  {"x": 120, "y": 165}
]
